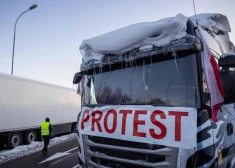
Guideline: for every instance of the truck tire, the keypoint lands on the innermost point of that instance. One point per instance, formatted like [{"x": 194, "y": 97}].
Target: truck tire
[
  {"x": 15, "y": 139},
  {"x": 30, "y": 136}
]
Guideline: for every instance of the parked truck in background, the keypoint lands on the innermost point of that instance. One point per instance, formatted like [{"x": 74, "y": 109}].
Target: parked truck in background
[
  {"x": 24, "y": 105},
  {"x": 159, "y": 94}
]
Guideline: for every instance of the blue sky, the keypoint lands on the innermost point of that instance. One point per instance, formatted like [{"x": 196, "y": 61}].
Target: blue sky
[{"x": 48, "y": 37}]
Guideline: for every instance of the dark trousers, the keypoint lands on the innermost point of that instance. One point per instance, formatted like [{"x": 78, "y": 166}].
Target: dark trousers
[{"x": 46, "y": 142}]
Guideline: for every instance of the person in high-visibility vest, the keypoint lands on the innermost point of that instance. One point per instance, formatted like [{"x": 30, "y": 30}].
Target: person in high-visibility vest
[{"x": 46, "y": 131}]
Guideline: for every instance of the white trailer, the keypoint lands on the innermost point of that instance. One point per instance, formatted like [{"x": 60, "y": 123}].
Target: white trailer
[{"x": 24, "y": 105}]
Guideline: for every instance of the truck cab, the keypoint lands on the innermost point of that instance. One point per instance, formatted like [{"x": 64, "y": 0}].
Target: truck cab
[{"x": 147, "y": 99}]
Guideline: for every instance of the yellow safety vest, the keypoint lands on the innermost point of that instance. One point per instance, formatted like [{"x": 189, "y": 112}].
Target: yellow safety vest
[{"x": 45, "y": 128}]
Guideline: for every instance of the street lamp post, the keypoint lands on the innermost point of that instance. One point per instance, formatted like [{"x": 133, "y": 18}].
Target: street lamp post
[{"x": 30, "y": 8}]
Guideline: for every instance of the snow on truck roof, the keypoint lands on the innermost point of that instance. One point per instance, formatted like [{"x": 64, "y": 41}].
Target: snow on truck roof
[{"x": 144, "y": 35}]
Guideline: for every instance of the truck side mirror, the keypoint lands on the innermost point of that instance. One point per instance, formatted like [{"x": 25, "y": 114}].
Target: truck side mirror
[
  {"x": 228, "y": 81},
  {"x": 77, "y": 78},
  {"x": 227, "y": 60}
]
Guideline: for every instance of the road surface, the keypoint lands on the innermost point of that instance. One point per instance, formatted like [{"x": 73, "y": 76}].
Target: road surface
[{"x": 59, "y": 156}]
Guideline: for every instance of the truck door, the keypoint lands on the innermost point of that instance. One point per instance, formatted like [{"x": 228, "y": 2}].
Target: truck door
[
  {"x": 222, "y": 129},
  {"x": 228, "y": 81},
  {"x": 223, "y": 136},
  {"x": 231, "y": 126}
]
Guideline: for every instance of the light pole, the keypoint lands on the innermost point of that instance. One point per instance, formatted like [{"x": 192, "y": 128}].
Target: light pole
[{"x": 30, "y": 8}]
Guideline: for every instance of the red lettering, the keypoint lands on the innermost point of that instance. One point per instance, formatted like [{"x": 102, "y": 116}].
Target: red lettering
[
  {"x": 158, "y": 124},
  {"x": 124, "y": 112},
  {"x": 96, "y": 120},
  {"x": 110, "y": 131},
  {"x": 138, "y": 122},
  {"x": 178, "y": 116},
  {"x": 85, "y": 119}
]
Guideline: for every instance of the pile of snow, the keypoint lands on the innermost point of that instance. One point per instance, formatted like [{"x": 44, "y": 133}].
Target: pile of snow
[
  {"x": 209, "y": 20},
  {"x": 206, "y": 20},
  {"x": 158, "y": 33},
  {"x": 145, "y": 36},
  {"x": 123, "y": 40},
  {"x": 25, "y": 150}
]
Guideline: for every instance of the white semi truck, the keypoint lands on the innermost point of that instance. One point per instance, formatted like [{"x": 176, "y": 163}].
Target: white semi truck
[
  {"x": 159, "y": 94},
  {"x": 24, "y": 105}
]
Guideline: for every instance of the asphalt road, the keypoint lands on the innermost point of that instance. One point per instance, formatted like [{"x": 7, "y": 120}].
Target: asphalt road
[{"x": 66, "y": 152}]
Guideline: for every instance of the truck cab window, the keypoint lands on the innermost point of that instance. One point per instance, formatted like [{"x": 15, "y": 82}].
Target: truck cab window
[
  {"x": 169, "y": 82},
  {"x": 173, "y": 84}
]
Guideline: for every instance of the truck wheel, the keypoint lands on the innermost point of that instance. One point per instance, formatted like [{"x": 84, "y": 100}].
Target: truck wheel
[
  {"x": 15, "y": 139},
  {"x": 30, "y": 136}
]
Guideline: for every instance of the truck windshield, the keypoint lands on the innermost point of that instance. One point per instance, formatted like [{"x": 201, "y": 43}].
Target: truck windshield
[{"x": 172, "y": 82}]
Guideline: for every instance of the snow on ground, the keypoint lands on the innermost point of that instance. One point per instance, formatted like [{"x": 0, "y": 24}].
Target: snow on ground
[{"x": 25, "y": 150}]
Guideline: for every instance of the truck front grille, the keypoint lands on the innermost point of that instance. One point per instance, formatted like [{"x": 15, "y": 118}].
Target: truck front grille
[{"x": 108, "y": 152}]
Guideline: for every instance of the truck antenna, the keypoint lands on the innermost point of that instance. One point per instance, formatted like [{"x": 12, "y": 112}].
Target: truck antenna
[{"x": 195, "y": 13}]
